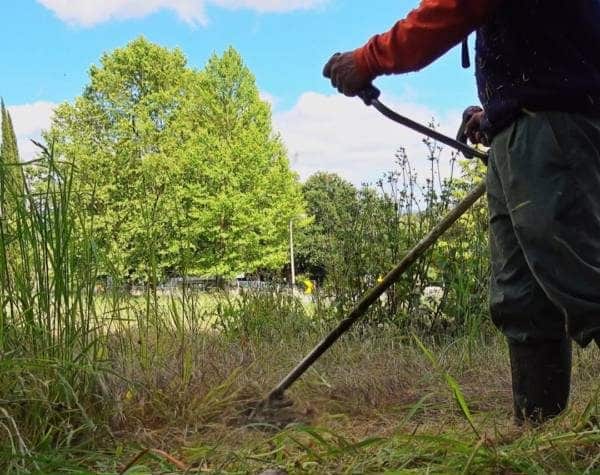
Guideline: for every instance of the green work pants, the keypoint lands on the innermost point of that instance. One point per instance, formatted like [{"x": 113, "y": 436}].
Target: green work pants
[{"x": 544, "y": 202}]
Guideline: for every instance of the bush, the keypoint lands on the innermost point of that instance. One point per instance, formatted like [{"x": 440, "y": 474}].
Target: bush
[
  {"x": 375, "y": 227},
  {"x": 256, "y": 316}
]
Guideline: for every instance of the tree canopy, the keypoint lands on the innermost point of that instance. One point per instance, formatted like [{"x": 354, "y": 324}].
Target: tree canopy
[
  {"x": 11, "y": 177},
  {"x": 332, "y": 202},
  {"x": 8, "y": 146},
  {"x": 180, "y": 165}
]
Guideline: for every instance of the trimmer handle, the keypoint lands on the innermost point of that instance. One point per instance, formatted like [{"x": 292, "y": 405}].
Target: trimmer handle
[
  {"x": 461, "y": 136},
  {"x": 369, "y": 94},
  {"x": 370, "y": 97}
]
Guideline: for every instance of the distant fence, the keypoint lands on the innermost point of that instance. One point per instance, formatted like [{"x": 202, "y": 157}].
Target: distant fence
[{"x": 179, "y": 285}]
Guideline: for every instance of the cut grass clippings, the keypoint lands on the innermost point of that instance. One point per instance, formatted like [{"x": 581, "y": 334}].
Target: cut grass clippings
[{"x": 387, "y": 409}]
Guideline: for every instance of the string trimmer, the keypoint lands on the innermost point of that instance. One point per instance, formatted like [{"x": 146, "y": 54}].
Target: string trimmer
[{"x": 275, "y": 399}]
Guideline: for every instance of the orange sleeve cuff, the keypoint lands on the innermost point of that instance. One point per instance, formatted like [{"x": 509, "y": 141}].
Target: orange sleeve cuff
[
  {"x": 426, "y": 34},
  {"x": 362, "y": 64}
]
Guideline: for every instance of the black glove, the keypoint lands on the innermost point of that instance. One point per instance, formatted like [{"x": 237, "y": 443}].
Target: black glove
[
  {"x": 470, "y": 128},
  {"x": 345, "y": 75}
]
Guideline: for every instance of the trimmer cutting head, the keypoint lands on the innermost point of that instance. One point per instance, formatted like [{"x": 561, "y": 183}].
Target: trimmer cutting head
[{"x": 272, "y": 411}]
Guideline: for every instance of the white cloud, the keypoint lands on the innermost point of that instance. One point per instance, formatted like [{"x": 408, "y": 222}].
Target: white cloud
[
  {"x": 343, "y": 136},
  {"x": 91, "y": 12},
  {"x": 269, "y": 5},
  {"x": 29, "y": 120}
]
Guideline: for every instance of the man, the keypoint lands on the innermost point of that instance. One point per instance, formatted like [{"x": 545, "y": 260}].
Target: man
[{"x": 538, "y": 75}]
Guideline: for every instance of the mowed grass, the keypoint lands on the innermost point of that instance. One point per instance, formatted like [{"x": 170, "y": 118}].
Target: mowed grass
[{"x": 375, "y": 404}]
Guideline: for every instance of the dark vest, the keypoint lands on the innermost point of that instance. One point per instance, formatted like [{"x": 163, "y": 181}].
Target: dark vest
[{"x": 539, "y": 55}]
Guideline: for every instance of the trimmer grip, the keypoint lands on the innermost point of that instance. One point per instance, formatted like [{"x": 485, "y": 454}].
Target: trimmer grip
[
  {"x": 369, "y": 94},
  {"x": 461, "y": 136}
]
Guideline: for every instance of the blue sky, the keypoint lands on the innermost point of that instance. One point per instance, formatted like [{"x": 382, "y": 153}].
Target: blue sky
[{"x": 50, "y": 44}]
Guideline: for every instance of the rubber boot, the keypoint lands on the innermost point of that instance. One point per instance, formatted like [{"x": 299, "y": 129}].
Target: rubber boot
[{"x": 541, "y": 379}]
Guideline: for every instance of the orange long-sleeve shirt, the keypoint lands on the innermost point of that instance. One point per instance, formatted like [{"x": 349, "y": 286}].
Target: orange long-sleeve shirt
[{"x": 426, "y": 34}]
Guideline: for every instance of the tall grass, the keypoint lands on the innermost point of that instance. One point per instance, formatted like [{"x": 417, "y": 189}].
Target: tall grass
[{"x": 50, "y": 336}]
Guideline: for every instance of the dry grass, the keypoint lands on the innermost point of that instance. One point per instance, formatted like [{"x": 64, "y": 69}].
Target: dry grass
[
  {"x": 372, "y": 385},
  {"x": 177, "y": 396}
]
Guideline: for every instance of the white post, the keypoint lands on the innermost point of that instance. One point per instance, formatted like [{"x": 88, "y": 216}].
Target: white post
[{"x": 292, "y": 255}]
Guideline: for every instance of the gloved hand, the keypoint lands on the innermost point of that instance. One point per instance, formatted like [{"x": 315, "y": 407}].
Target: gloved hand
[
  {"x": 472, "y": 120},
  {"x": 345, "y": 75}
]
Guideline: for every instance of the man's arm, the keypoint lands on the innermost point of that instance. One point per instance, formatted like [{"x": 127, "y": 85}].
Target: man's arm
[{"x": 426, "y": 34}]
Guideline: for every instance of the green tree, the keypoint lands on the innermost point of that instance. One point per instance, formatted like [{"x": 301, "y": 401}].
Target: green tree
[
  {"x": 117, "y": 133},
  {"x": 331, "y": 201},
  {"x": 358, "y": 235},
  {"x": 180, "y": 168},
  {"x": 353, "y": 239},
  {"x": 8, "y": 149},
  {"x": 11, "y": 181},
  {"x": 250, "y": 194}
]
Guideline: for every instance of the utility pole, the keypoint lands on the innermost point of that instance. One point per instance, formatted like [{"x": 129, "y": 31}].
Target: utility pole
[{"x": 292, "y": 255}]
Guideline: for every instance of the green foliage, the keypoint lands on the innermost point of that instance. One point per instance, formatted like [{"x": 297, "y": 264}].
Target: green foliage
[
  {"x": 462, "y": 257},
  {"x": 331, "y": 202},
  {"x": 8, "y": 147},
  {"x": 11, "y": 181},
  {"x": 261, "y": 316},
  {"x": 252, "y": 195},
  {"x": 358, "y": 235},
  {"x": 179, "y": 165}
]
